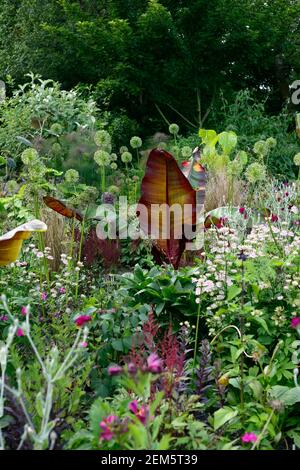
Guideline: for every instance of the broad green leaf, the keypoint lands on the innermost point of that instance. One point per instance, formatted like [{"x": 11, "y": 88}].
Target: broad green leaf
[
  {"x": 223, "y": 415},
  {"x": 233, "y": 291},
  {"x": 228, "y": 141}
]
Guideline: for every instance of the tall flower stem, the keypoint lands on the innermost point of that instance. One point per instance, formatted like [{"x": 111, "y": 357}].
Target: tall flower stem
[
  {"x": 197, "y": 334},
  {"x": 79, "y": 256}
]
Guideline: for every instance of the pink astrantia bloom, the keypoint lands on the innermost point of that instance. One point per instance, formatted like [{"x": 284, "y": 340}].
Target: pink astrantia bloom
[
  {"x": 115, "y": 370},
  {"x": 23, "y": 311},
  {"x": 154, "y": 364},
  {"x": 83, "y": 344},
  {"x": 20, "y": 332},
  {"x": 249, "y": 437},
  {"x": 82, "y": 320},
  {"x": 295, "y": 322},
  {"x": 62, "y": 290},
  {"x": 44, "y": 296},
  {"x": 106, "y": 428}
]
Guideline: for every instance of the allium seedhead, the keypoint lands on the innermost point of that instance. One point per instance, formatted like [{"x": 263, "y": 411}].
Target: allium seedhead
[
  {"x": 102, "y": 158},
  {"x": 102, "y": 139},
  {"x": 29, "y": 156},
  {"x": 255, "y": 173},
  {"x": 126, "y": 157},
  {"x": 136, "y": 142},
  {"x": 173, "y": 129},
  {"x": 71, "y": 176},
  {"x": 297, "y": 159}
]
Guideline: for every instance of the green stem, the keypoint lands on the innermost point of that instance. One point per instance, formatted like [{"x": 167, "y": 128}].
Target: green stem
[{"x": 197, "y": 334}]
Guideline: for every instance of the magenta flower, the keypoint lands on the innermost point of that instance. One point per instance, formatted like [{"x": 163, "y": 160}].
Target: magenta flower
[
  {"x": 249, "y": 437},
  {"x": 133, "y": 406},
  {"x": 106, "y": 428},
  {"x": 4, "y": 318},
  {"x": 83, "y": 344},
  {"x": 62, "y": 290},
  {"x": 20, "y": 332},
  {"x": 44, "y": 296},
  {"x": 141, "y": 413},
  {"x": 23, "y": 311},
  {"x": 115, "y": 370},
  {"x": 154, "y": 364},
  {"x": 274, "y": 218},
  {"x": 82, "y": 320},
  {"x": 132, "y": 368},
  {"x": 295, "y": 322},
  {"x": 242, "y": 210}
]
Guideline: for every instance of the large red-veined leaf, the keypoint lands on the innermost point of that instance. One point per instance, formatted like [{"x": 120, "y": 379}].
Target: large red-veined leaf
[
  {"x": 61, "y": 208},
  {"x": 164, "y": 183},
  {"x": 196, "y": 174}
]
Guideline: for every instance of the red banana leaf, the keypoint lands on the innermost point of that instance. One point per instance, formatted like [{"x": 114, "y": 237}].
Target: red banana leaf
[
  {"x": 61, "y": 208},
  {"x": 164, "y": 183},
  {"x": 195, "y": 173}
]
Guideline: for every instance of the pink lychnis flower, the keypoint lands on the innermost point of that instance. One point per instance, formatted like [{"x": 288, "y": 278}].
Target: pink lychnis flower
[
  {"x": 249, "y": 437},
  {"x": 20, "y": 332},
  {"x": 154, "y": 363},
  {"x": 141, "y": 413},
  {"x": 115, "y": 370},
  {"x": 106, "y": 428},
  {"x": 295, "y": 322},
  {"x": 82, "y": 320},
  {"x": 23, "y": 311}
]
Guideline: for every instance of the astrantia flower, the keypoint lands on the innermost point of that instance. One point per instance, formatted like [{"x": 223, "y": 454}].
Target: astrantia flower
[
  {"x": 249, "y": 437},
  {"x": 274, "y": 218},
  {"x": 82, "y": 320},
  {"x": 295, "y": 322},
  {"x": 62, "y": 290},
  {"x": 115, "y": 370},
  {"x": 44, "y": 296},
  {"x": 242, "y": 210},
  {"x": 126, "y": 157},
  {"x": 83, "y": 344},
  {"x": 154, "y": 364},
  {"x": 102, "y": 158},
  {"x": 256, "y": 172},
  {"x": 29, "y": 156},
  {"x": 186, "y": 151},
  {"x": 71, "y": 176},
  {"x": 297, "y": 159},
  {"x": 102, "y": 139},
  {"x": 173, "y": 129},
  {"x": 136, "y": 142}
]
